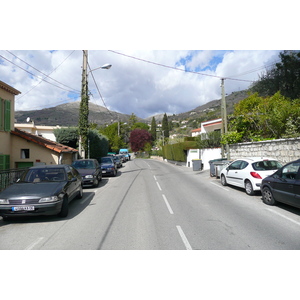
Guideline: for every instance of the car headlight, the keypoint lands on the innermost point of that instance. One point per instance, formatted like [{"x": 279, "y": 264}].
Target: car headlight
[
  {"x": 89, "y": 176},
  {"x": 4, "y": 201},
  {"x": 48, "y": 199}
]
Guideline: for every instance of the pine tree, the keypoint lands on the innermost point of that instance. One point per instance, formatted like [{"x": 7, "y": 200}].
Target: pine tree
[
  {"x": 165, "y": 126},
  {"x": 153, "y": 129}
]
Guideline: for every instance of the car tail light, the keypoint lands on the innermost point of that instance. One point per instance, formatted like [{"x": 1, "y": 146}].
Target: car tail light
[{"x": 255, "y": 175}]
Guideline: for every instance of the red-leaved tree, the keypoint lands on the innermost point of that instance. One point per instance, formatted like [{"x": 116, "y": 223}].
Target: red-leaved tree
[{"x": 138, "y": 139}]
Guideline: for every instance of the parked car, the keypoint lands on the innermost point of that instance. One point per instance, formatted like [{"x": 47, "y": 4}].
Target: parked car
[
  {"x": 42, "y": 190},
  {"x": 90, "y": 170},
  {"x": 248, "y": 173},
  {"x": 118, "y": 161},
  {"x": 283, "y": 186},
  {"x": 108, "y": 166}
]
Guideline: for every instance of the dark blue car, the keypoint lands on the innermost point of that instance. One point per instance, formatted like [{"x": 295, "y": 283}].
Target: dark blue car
[{"x": 108, "y": 166}]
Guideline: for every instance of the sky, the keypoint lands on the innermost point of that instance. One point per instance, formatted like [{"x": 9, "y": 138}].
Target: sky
[{"x": 143, "y": 82}]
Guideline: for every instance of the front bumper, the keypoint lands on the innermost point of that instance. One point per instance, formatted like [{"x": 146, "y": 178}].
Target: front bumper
[{"x": 39, "y": 209}]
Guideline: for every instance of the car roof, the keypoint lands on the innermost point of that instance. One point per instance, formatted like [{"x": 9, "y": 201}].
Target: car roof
[
  {"x": 48, "y": 167},
  {"x": 254, "y": 159}
]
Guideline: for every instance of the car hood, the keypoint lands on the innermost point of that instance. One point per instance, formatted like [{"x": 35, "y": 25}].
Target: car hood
[
  {"x": 84, "y": 172},
  {"x": 25, "y": 190}
]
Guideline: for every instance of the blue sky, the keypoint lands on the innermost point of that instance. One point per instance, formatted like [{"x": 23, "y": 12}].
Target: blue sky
[{"x": 143, "y": 82}]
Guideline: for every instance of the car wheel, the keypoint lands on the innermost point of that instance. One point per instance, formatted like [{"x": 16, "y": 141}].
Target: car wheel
[
  {"x": 80, "y": 193},
  {"x": 64, "y": 208},
  {"x": 223, "y": 180},
  {"x": 267, "y": 196},
  {"x": 249, "y": 188},
  {"x": 96, "y": 184}
]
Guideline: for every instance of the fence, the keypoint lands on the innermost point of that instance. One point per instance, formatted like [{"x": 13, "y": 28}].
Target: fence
[{"x": 8, "y": 177}]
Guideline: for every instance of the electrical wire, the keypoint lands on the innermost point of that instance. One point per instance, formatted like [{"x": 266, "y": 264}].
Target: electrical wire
[
  {"x": 91, "y": 72},
  {"x": 178, "y": 69},
  {"x": 42, "y": 79}
]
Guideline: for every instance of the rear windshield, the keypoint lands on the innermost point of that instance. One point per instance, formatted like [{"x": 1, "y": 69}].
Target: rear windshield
[
  {"x": 106, "y": 160},
  {"x": 266, "y": 165},
  {"x": 39, "y": 175}
]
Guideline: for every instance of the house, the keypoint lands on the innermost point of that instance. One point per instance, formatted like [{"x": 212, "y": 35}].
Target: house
[
  {"x": 40, "y": 130},
  {"x": 29, "y": 149},
  {"x": 18, "y": 148},
  {"x": 208, "y": 126},
  {"x": 7, "y": 117}
]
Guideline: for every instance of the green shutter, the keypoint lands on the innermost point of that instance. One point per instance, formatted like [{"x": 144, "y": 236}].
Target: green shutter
[
  {"x": 4, "y": 162},
  {"x": 1, "y": 114},
  {"x": 7, "y": 115}
]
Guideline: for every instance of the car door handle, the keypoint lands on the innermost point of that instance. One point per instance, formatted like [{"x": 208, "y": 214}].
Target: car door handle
[{"x": 290, "y": 186}]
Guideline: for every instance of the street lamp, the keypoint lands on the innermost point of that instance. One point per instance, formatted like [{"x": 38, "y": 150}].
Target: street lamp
[{"x": 84, "y": 105}]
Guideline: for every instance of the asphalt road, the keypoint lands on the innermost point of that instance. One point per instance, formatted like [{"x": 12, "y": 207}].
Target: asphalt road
[{"x": 156, "y": 205}]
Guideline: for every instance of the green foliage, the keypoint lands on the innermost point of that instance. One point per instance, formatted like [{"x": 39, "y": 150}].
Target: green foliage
[
  {"x": 67, "y": 136},
  {"x": 83, "y": 125},
  {"x": 258, "y": 118},
  {"x": 140, "y": 125},
  {"x": 153, "y": 129},
  {"x": 174, "y": 152},
  {"x": 115, "y": 140},
  {"x": 231, "y": 137},
  {"x": 98, "y": 144},
  {"x": 283, "y": 77},
  {"x": 165, "y": 126},
  {"x": 209, "y": 140}
]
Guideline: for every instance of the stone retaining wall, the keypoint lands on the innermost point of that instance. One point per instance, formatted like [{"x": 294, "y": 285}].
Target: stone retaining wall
[{"x": 284, "y": 150}]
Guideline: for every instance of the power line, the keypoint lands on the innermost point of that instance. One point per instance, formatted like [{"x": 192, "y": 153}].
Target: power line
[
  {"x": 178, "y": 69},
  {"x": 99, "y": 91},
  {"x": 42, "y": 79}
]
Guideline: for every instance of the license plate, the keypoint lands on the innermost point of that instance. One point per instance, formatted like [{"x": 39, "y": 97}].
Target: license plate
[
  {"x": 103, "y": 171},
  {"x": 18, "y": 208}
]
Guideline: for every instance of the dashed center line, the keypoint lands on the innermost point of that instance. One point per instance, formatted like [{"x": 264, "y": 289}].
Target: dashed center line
[
  {"x": 168, "y": 205},
  {"x": 184, "y": 239},
  {"x": 158, "y": 186}
]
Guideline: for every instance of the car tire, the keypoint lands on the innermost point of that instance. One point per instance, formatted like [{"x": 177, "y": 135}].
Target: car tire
[
  {"x": 97, "y": 183},
  {"x": 249, "y": 188},
  {"x": 223, "y": 180},
  {"x": 64, "y": 208},
  {"x": 80, "y": 194},
  {"x": 267, "y": 196}
]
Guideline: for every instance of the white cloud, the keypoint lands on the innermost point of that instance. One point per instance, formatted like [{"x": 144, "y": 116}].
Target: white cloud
[{"x": 132, "y": 85}]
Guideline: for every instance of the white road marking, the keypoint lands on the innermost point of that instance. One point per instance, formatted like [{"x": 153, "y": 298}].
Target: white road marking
[
  {"x": 168, "y": 205},
  {"x": 221, "y": 187},
  {"x": 184, "y": 239},
  {"x": 283, "y": 216},
  {"x": 154, "y": 177},
  {"x": 158, "y": 186},
  {"x": 31, "y": 246}
]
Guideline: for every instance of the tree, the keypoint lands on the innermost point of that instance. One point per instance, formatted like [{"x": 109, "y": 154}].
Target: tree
[
  {"x": 139, "y": 138},
  {"x": 283, "y": 77},
  {"x": 153, "y": 129},
  {"x": 67, "y": 136},
  {"x": 97, "y": 144},
  {"x": 258, "y": 118},
  {"x": 165, "y": 126},
  {"x": 115, "y": 140}
]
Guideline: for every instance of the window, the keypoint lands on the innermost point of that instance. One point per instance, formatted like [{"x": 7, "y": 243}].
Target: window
[
  {"x": 25, "y": 153},
  {"x": 5, "y": 111}
]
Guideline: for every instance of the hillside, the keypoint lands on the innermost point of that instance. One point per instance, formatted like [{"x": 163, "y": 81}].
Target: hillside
[{"x": 67, "y": 114}]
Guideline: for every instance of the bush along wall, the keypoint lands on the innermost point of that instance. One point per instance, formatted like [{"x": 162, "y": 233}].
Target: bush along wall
[{"x": 176, "y": 152}]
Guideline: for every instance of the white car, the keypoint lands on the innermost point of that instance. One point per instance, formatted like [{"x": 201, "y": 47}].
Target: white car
[{"x": 248, "y": 173}]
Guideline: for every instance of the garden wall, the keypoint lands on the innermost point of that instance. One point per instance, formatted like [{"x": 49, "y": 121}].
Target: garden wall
[{"x": 284, "y": 150}]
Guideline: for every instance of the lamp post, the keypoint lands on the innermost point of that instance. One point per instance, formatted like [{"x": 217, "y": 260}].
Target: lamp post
[{"x": 83, "y": 125}]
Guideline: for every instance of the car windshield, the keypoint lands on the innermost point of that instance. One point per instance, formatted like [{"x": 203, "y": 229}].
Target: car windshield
[
  {"x": 266, "y": 165},
  {"x": 84, "y": 164},
  {"x": 41, "y": 175},
  {"x": 105, "y": 160}
]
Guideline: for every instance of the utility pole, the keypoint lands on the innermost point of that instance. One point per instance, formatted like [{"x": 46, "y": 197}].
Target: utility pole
[
  {"x": 84, "y": 108},
  {"x": 224, "y": 119}
]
